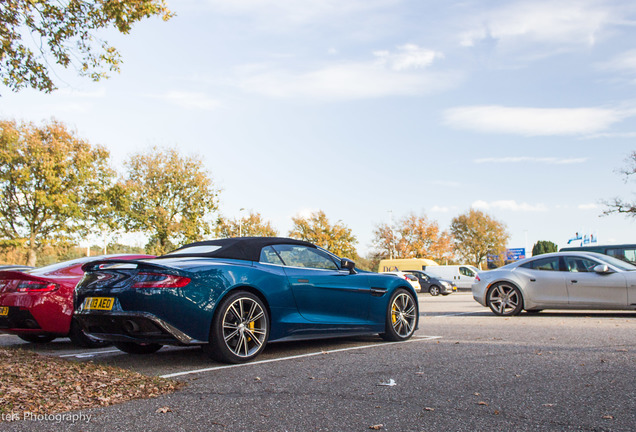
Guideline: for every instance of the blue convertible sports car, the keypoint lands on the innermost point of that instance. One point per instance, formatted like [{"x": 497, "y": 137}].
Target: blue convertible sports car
[{"x": 234, "y": 295}]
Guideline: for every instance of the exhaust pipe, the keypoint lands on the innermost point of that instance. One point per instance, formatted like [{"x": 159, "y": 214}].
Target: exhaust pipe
[{"x": 131, "y": 327}]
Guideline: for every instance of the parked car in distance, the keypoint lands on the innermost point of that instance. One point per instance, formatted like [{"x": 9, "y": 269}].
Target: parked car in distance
[
  {"x": 433, "y": 285},
  {"x": 559, "y": 280},
  {"x": 37, "y": 304},
  {"x": 461, "y": 275},
  {"x": 411, "y": 279},
  {"x": 234, "y": 295}
]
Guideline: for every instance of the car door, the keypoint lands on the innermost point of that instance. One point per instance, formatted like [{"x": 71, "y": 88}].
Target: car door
[
  {"x": 545, "y": 282},
  {"x": 323, "y": 292},
  {"x": 586, "y": 288}
]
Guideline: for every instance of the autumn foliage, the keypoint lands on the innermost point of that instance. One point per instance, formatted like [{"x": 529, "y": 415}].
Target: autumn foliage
[
  {"x": 413, "y": 237},
  {"x": 317, "y": 229},
  {"x": 477, "y": 235}
]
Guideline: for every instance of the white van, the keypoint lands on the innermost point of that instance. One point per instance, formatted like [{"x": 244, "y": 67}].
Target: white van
[{"x": 461, "y": 275}]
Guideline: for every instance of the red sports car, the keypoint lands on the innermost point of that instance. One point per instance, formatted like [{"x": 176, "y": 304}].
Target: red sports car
[{"x": 37, "y": 305}]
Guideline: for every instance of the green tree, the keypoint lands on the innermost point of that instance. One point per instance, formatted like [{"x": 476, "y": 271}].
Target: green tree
[
  {"x": 543, "y": 247},
  {"x": 413, "y": 237},
  {"x": 52, "y": 184},
  {"x": 618, "y": 205},
  {"x": 317, "y": 229},
  {"x": 252, "y": 226},
  {"x": 35, "y": 34},
  {"x": 167, "y": 196},
  {"x": 476, "y": 234}
]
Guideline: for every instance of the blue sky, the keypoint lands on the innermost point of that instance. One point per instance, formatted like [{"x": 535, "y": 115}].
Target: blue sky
[{"x": 372, "y": 109}]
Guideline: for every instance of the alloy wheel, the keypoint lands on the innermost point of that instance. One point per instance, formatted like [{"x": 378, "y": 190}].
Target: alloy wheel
[
  {"x": 504, "y": 299},
  {"x": 403, "y": 315},
  {"x": 244, "y": 327}
]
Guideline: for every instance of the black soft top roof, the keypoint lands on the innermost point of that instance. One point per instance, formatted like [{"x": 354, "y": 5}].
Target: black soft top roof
[{"x": 241, "y": 248}]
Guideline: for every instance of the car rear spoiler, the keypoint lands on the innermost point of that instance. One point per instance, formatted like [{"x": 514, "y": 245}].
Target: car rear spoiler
[
  {"x": 18, "y": 275},
  {"x": 114, "y": 264}
]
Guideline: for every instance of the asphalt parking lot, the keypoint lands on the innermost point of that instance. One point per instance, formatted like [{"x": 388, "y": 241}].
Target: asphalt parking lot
[{"x": 465, "y": 369}]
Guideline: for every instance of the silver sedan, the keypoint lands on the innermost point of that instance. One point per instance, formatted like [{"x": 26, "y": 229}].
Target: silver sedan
[{"x": 561, "y": 280}]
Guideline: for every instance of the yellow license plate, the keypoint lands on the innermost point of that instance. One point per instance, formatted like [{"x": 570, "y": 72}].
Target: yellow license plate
[
  {"x": 98, "y": 303},
  {"x": 4, "y": 311}
]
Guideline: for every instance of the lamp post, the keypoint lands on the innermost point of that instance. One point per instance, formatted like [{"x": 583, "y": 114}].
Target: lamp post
[
  {"x": 391, "y": 228},
  {"x": 241, "y": 222}
]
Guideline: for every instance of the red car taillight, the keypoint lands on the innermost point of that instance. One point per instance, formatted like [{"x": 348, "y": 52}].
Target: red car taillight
[
  {"x": 27, "y": 286},
  {"x": 159, "y": 280}
]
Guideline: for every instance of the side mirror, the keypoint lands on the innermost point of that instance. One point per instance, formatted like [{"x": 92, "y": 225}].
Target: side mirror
[
  {"x": 347, "y": 264},
  {"x": 602, "y": 269}
]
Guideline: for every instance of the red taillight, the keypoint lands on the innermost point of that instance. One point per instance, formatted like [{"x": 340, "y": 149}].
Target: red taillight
[
  {"x": 159, "y": 280},
  {"x": 31, "y": 286}
]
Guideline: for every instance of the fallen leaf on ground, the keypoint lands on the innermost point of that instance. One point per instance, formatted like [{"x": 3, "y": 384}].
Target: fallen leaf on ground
[
  {"x": 482, "y": 403},
  {"x": 163, "y": 410},
  {"x": 376, "y": 427},
  {"x": 53, "y": 385}
]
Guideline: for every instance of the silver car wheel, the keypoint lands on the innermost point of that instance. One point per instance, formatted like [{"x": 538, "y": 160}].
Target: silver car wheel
[
  {"x": 244, "y": 327},
  {"x": 403, "y": 315},
  {"x": 505, "y": 299}
]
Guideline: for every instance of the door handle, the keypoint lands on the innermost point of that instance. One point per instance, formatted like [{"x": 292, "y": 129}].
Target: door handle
[
  {"x": 533, "y": 280},
  {"x": 574, "y": 281}
]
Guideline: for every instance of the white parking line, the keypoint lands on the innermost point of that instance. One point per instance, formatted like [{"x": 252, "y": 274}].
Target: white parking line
[
  {"x": 197, "y": 371},
  {"x": 453, "y": 314},
  {"x": 89, "y": 354}
]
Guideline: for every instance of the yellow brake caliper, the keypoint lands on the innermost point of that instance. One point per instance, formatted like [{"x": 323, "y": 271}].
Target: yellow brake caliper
[{"x": 251, "y": 326}]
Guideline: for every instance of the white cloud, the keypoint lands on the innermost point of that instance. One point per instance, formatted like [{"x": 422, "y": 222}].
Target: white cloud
[
  {"x": 510, "y": 205},
  {"x": 409, "y": 56},
  {"x": 590, "y": 206},
  {"x": 533, "y": 121},
  {"x": 624, "y": 62},
  {"x": 388, "y": 74},
  {"x": 529, "y": 159},
  {"x": 546, "y": 22},
  {"x": 611, "y": 135},
  {"x": 190, "y": 100},
  {"x": 440, "y": 209},
  {"x": 297, "y": 12}
]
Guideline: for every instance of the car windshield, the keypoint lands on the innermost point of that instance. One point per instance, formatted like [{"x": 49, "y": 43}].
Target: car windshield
[{"x": 625, "y": 266}]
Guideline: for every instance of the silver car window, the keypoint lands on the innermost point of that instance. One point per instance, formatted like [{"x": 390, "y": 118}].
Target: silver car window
[
  {"x": 625, "y": 266},
  {"x": 578, "y": 264},
  {"x": 549, "y": 264}
]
